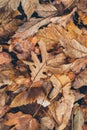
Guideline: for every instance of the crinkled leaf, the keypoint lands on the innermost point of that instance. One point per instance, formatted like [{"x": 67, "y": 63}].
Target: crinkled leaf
[{"x": 21, "y": 121}]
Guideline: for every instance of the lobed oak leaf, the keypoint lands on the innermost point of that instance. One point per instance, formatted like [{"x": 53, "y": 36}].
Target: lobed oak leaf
[{"x": 38, "y": 68}]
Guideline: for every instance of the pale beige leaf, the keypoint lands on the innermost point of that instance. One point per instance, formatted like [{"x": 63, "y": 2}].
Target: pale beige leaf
[
  {"x": 29, "y": 6},
  {"x": 58, "y": 81},
  {"x": 3, "y": 3},
  {"x": 61, "y": 110},
  {"x": 29, "y": 29},
  {"x": 54, "y": 33},
  {"x": 76, "y": 67},
  {"x": 46, "y": 10},
  {"x": 63, "y": 20},
  {"x": 74, "y": 49},
  {"x": 78, "y": 120},
  {"x": 64, "y": 109},
  {"x": 38, "y": 68},
  {"x": 80, "y": 80},
  {"x": 56, "y": 60},
  {"x": 13, "y": 4}
]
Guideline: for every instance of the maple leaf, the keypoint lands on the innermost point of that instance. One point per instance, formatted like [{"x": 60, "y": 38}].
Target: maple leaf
[{"x": 38, "y": 68}]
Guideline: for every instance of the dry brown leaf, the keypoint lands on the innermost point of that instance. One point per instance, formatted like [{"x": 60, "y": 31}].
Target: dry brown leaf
[
  {"x": 9, "y": 25},
  {"x": 74, "y": 49},
  {"x": 29, "y": 97},
  {"x": 30, "y": 28},
  {"x": 47, "y": 123},
  {"x": 76, "y": 67},
  {"x": 58, "y": 81},
  {"x": 61, "y": 110},
  {"x": 82, "y": 17},
  {"x": 38, "y": 68},
  {"x": 21, "y": 121},
  {"x": 63, "y": 20},
  {"x": 81, "y": 80},
  {"x": 66, "y": 3},
  {"x": 85, "y": 127},
  {"x": 78, "y": 120},
  {"x": 21, "y": 47},
  {"x": 19, "y": 84},
  {"x": 3, "y": 3},
  {"x": 56, "y": 60},
  {"x": 4, "y": 110},
  {"x": 82, "y": 5},
  {"x": 46, "y": 10},
  {"x": 3, "y": 99},
  {"x": 29, "y": 6},
  {"x": 53, "y": 33},
  {"x": 4, "y": 58},
  {"x": 78, "y": 95}
]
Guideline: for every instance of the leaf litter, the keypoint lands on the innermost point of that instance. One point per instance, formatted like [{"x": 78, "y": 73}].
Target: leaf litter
[{"x": 43, "y": 65}]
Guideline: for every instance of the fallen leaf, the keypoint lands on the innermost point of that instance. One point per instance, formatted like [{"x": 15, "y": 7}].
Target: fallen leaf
[
  {"x": 74, "y": 49},
  {"x": 61, "y": 110},
  {"x": 21, "y": 121},
  {"x": 30, "y": 28},
  {"x": 38, "y": 68},
  {"x": 4, "y": 58},
  {"x": 53, "y": 33},
  {"x": 78, "y": 120},
  {"x": 47, "y": 123},
  {"x": 80, "y": 80},
  {"x": 78, "y": 95},
  {"x": 46, "y": 10},
  {"x": 58, "y": 81},
  {"x": 31, "y": 96}
]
